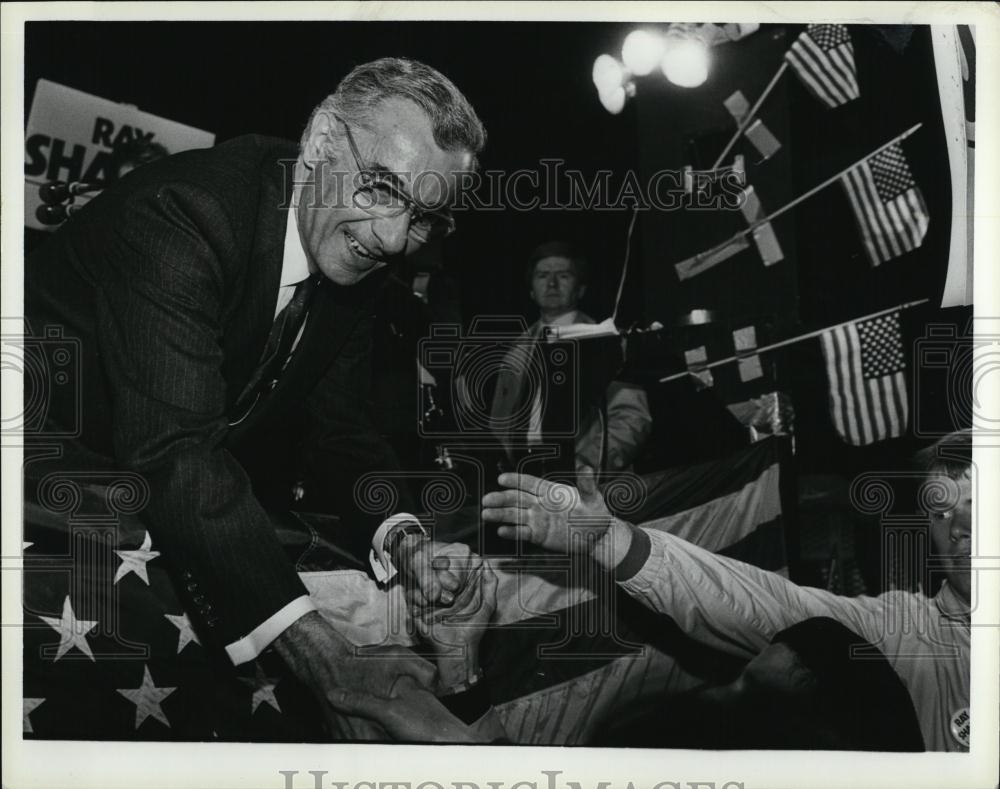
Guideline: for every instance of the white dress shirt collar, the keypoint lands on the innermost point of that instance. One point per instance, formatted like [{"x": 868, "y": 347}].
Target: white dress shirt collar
[{"x": 294, "y": 263}]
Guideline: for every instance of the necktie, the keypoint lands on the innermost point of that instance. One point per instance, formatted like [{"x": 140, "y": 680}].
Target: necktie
[{"x": 279, "y": 344}]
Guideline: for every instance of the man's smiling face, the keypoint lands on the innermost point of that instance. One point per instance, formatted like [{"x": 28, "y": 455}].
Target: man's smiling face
[{"x": 344, "y": 241}]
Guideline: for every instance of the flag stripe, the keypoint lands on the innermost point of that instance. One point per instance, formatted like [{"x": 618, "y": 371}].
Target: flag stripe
[
  {"x": 876, "y": 406},
  {"x": 802, "y": 69},
  {"x": 845, "y": 378},
  {"x": 889, "y": 225},
  {"x": 921, "y": 218},
  {"x": 859, "y": 217},
  {"x": 861, "y": 412},
  {"x": 818, "y": 61},
  {"x": 865, "y": 369},
  {"x": 843, "y": 60},
  {"x": 896, "y": 223},
  {"x": 882, "y": 221},
  {"x": 870, "y": 214},
  {"x": 838, "y": 405},
  {"x": 823, "y": 58}
]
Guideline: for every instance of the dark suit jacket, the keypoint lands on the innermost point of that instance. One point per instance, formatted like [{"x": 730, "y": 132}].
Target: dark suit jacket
[{"x": 169, "y": 279}]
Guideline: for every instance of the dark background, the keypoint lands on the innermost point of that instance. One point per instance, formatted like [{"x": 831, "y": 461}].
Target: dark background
[{"x": 531, "y": 85}]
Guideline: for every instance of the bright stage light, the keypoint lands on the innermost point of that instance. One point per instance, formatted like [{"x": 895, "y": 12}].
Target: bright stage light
[
  {"x": 685, "y": 61},
  {"x": 613, "y": 100},
  {"x": 642, "y": 51},
  {"x": 608, "y": 74}
]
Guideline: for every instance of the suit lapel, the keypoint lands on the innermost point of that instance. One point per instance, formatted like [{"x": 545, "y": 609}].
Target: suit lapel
[{"x": 248, "y": 325}]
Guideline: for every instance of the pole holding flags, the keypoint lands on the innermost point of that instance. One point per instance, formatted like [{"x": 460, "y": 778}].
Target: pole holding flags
[
  {"x": 823, "y": 58},
  {"x": 799, "y": 338},
  {"x": 695, "y": 265}
]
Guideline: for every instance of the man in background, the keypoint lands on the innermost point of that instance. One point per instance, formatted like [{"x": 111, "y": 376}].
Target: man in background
[{"x": 612, "y": 427}]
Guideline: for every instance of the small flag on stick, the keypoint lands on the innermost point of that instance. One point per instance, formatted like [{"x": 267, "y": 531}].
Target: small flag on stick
[
  {"x": 887, "y": 204},
  {"x": 823, "y": 57},
  {"x": 866, "y": 365}
]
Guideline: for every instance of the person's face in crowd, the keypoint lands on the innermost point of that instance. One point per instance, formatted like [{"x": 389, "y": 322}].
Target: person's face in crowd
[
  {"x": 555, "y": 287},
  {"x": 341, "y": 239},
  {"x": 951, "y": 533}
]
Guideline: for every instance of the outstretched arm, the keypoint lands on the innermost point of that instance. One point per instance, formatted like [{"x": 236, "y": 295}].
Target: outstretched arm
[{"x": 717, "y": 600}]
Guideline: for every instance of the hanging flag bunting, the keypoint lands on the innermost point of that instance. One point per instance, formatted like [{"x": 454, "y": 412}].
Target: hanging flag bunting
[
  {"x": 887, "y": 204},
  {"x": 696, "y": 360},
  {"x": 763, "y": 140},
  {"x": 823, "y": 57},
  {"x": 763, "y": 235},
  {"x": 866, "y": 365},
  {"x": 745, "y": 342}
]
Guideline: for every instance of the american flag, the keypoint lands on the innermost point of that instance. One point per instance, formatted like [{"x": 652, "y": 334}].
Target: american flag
[
  {"x": 866, "y": 367},
  {"x": 887, "y": 204},
  {"x": 823, "y": 57}
]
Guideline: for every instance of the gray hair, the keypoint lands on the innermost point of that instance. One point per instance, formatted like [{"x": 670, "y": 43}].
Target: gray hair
[{"x": 455, "y": 125}]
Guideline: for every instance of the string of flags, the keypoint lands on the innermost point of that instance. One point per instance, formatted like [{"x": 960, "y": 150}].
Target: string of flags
[
  {"x": 823, "y": 59},
  {"x": 886, "y": 200},
  {"x": 865, "y": 364},
  {"x": 887, "y": 203}
]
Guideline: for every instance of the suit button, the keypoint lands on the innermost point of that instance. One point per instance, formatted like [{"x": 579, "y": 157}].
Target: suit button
[
  {"x": 211, "y": 621},
  {"x": 198, "y": 599},
  {"x": 192, "y": 586},
  {"x": 186, "y": 575}
]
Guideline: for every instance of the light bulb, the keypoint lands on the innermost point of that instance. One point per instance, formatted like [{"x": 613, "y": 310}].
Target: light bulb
[
  {"x": 685, "y": 61},
  {"x": 608, "y": 73},
  {"x": 613, "y": 100},
  {"x": 641, "y": 51}
]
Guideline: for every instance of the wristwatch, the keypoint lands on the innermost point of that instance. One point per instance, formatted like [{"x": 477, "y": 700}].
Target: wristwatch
[{"x": 397, "y": 535}]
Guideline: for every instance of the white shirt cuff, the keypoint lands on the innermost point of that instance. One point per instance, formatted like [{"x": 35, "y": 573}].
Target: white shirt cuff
[
  {"x": 380, "y": 561},
  {"x": 251, "y": 645}
]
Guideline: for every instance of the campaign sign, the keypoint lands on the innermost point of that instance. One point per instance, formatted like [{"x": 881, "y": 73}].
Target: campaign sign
[{"x": 71, "y": 134}]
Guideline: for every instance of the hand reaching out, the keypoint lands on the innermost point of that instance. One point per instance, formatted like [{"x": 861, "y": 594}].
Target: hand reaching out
[{"x": 552, "y": 515}]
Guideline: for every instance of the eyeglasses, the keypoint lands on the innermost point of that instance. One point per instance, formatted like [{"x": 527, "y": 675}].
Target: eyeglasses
[{"x": 377, "y": 194}]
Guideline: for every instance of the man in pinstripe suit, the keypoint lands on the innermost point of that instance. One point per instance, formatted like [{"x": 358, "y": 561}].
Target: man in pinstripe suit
[{"x": 175, "y": 280}]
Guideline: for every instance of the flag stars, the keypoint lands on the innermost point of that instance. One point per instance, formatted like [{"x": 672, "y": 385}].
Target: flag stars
[
  {"x": 186, "y": 634},
  {"x": 147, "y": 699},
  {"x": 891, "y": 173},
  {"x": 829, "y": 36},
  {"x": 881, "y": 346},
  {"x": 72, "y": 631},
  {"x": 263, "y": 689},
  {"x": 135, "y": 561},
  {"x": 28, "y": 707}
]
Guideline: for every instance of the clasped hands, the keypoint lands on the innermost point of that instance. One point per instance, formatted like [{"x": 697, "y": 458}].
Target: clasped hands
[{"x": 451, "y": 596}]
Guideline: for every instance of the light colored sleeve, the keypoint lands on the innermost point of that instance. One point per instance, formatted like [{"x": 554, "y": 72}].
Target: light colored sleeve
[
  {"x": 260, "y": 638},
  {"x": 727, "y": 604},
  {"x": 629, "y": 423}
]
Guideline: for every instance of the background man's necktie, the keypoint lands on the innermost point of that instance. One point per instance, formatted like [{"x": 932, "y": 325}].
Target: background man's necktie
[{"x": 279, "y": 344}]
